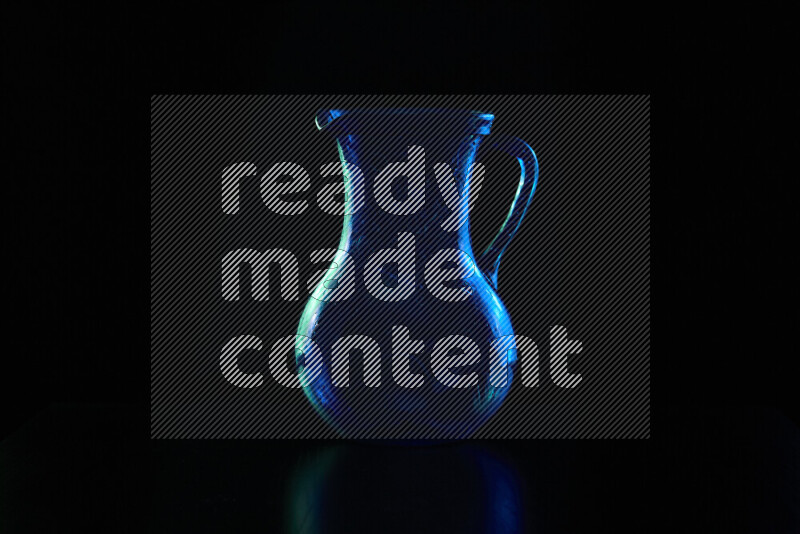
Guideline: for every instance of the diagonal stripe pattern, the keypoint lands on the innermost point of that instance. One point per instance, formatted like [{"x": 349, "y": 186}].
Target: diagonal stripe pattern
[{"x": 578, "y": 270}]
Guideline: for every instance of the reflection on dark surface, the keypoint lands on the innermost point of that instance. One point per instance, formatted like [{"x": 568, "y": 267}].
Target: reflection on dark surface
[
  {"x": 447, "y": 488},
  {"x": 84, "y": 468}
]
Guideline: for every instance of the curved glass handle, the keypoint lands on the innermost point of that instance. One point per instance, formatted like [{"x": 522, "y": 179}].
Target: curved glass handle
[{"x": 489, "y": 261}]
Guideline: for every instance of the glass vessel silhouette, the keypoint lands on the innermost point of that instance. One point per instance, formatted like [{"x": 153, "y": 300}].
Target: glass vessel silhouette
[{"x": 406, "y": 318}]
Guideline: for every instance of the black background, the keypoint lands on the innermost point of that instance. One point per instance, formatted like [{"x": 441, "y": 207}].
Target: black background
[{"x": 77, "y": 82}]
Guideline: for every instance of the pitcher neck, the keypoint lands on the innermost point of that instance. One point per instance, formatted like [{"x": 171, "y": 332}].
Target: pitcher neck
[
  {"x": 378, "y": 229},
  {"x": 426, "y": 193}
]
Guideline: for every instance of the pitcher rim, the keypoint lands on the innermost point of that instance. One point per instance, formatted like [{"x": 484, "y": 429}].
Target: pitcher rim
[{"x": 478, "y": 121}]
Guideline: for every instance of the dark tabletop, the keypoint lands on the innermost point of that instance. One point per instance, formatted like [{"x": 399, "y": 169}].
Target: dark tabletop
[{"x": 81, "y": 467}]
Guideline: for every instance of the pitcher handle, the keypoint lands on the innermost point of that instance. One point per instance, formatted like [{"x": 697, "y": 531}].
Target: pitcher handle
[{"x": 489, "y": 260}]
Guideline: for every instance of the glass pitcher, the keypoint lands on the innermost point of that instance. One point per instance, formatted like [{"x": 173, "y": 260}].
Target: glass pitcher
[{"x": 409, "y": 337}]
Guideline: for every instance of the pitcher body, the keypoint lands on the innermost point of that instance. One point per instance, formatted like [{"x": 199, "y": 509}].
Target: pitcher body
[{"x": 413, "y": 335}]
